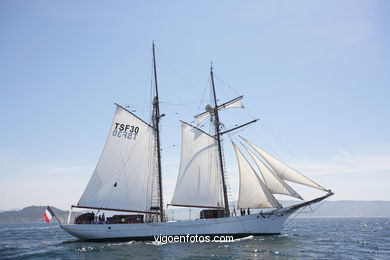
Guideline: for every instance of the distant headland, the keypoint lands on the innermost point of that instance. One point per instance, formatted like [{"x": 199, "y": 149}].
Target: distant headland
[{"x": 329, "y": 209}]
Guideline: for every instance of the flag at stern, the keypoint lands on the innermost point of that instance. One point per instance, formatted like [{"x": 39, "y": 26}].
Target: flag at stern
[{"x": 49, "y": 214}]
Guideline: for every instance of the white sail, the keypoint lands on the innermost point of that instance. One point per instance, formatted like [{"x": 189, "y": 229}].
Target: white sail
[
  {"x": 252, "y": 192},
  {"x": 235, "y": 103},
  {"x": 125, "y": 174},
  {"x": 284, "y": 171},
  {"x": 271, "y": 179},
  {"x": 199, "y": 182},
  {"x": 202, "y": 117}
]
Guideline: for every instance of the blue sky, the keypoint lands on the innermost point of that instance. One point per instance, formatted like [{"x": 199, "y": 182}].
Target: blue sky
[{"x": 315, "y": 72}]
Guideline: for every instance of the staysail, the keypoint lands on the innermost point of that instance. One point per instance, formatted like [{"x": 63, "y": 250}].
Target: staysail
[
  {"x": 125, "y": 176},
  {"x": 284, "y": 171},
  {"x": 199, "y": 183},
  {"x": 253, "y": 193},
  {"x": 271, "y": 179}
]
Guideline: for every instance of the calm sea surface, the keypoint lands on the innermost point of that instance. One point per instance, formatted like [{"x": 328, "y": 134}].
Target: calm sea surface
[{"x": 338, "y": 238}]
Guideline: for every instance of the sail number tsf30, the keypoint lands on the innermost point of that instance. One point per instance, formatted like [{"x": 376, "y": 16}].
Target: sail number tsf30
[{"x": 125, "y": 131}]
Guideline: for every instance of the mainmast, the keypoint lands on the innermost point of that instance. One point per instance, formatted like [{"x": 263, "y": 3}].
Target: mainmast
[
  {"x": 156, "y": 126},
  {"x": 218, "y": 135}
]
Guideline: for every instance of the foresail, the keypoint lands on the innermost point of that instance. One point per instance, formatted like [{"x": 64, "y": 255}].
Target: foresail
[
  {"x": 234, "y": 103},
  {"x": 199, "y": 182},
  {"x": 284, "y": 171},
  {"x": 125, "y": 175},
  {"x": 271, "y": 179},
  {"x": 253, "y": 193}
]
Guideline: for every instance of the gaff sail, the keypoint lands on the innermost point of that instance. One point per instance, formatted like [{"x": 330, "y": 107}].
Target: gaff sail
[
  {"x": 126, "y": 174},
  {"x": 199, "y": 182}
]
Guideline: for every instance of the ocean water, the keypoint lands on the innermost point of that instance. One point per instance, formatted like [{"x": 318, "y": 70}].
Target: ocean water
[{"x": 332, "y": 238}]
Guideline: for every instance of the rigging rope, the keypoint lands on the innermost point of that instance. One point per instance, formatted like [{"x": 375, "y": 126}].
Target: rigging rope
[
  {"x": 190, "y": 85},
  {"x": 203, "y": 94},
  {"x": 223, "y": 82},
  {"x": 300, "y": 211}
]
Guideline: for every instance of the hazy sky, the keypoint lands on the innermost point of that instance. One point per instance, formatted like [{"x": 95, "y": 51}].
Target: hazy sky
[{"x": 315, "y": 72}]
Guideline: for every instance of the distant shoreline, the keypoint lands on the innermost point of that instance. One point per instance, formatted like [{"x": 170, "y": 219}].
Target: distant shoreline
[{"x": 329, "y": 209}]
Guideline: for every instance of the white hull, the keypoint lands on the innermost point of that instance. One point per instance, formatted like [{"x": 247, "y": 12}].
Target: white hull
[{"x": 239, "y": 226}]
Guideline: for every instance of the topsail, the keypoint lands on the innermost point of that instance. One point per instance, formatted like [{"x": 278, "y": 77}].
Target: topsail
[{"x": 234, "y": 103}]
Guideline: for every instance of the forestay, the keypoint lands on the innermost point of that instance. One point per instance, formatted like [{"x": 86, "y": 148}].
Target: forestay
[
  {"x": 271, "y": 179},
  {"x": 199, "y": 182},
  {"x": 125, "y": 175},
  {"x": 252, "y": 191},
  {"x": 284, "y": 171}
]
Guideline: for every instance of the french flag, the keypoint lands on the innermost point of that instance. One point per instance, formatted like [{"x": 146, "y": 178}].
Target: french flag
[{"x": 48, "y": 214}]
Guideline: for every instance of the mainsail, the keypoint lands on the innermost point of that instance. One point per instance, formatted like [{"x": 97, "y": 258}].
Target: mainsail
[
  {"x": 125, "y": 176},
  {"x": 284, "y": 171},
  {"x": 199, "y": 183},
  {"x": 271, "y": 179},
  {"x": 253, "y": 193}
]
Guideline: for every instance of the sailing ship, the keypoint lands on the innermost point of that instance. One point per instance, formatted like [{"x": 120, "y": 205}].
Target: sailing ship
[{"x": 128, "y": 180}]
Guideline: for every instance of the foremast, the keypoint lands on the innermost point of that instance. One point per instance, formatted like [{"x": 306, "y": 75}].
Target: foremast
[
  {"x": 156, "y": 126},
  {"x": 218, "y": 137}
]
